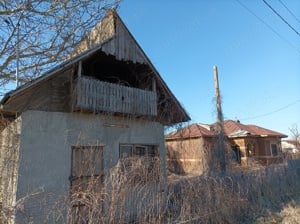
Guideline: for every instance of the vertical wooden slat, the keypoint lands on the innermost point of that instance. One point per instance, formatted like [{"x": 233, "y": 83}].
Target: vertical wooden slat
[
  {"x": 86, "y": 90},
  {"x": 96, "y": 95},
  {"x": 96, "y": 98},
  {"x": 79, "y": 69}
]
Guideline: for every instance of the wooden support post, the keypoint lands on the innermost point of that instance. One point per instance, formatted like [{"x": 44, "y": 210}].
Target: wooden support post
[
  {"x": 72, "y": 90},
  {"x": 220, "y": 127},
  {"x": 79, "y": 69},
  {"x": 153, "y": 84}
]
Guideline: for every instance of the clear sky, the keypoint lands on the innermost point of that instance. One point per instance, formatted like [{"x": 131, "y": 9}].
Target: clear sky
[{"x": 257, "y": 54}]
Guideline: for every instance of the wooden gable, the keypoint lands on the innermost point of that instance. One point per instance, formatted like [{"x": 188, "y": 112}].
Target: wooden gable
[
  {"x": 121, "y": 43},
  {"x": 110, "y": 48}
]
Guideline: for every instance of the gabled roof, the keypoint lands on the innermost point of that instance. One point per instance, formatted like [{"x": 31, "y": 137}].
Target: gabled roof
[
  {"x": 237, "y": 129},
  {"x": 232, "y": 129},
  {"x": 55, "y": 70},
  {"x": 191, "y": 131},
  {"x": 112, "y": 37},
  {"x": 122, "y": 44}
]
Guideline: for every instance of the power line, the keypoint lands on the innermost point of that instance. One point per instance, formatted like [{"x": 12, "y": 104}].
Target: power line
[
  {"x": 272, "y": 112},
  {"x": 286, "y": 22},
  {"x": 295, "y": 17},
  {"x": 267, "y": 25}
]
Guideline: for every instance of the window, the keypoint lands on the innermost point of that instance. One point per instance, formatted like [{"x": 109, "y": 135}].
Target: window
[
  {"x": 250, "y": 150},
  {"x": 127, "y": 151},
  {"x": 237, "y": 153},
  {"x": 140, "y": 162},
  {"x": 274, "y": 150},
  {"x": 86, "y": 177}
]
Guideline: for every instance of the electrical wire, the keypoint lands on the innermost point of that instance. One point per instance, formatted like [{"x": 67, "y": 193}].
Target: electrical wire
[
  {"x": 295, "y": 17},
  {"x": 267, "y": 25},
  {"x": 272, "y": 112},
  {"x": 277, "y": 13}
]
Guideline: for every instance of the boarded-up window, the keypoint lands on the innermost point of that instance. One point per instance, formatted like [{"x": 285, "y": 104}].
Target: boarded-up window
[
  {"x": 86, "y": 179},
  {"x": 87, "y": 164}
]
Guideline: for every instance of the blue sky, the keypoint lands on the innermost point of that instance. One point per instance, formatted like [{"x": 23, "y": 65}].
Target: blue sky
[{"x": 259, "y": 64}]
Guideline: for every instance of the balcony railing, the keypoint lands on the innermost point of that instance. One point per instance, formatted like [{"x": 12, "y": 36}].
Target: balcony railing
[{"x": 101, "y": 96}]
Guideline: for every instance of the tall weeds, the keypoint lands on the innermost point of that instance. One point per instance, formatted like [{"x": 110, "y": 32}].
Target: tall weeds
[{"x": 135, "y": 194}]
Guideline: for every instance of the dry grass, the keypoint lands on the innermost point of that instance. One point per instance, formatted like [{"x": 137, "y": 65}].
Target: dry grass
[
  {"x": 135, "y": 194},
  {"x": 252, "y": 196},
  {"x": 290, "y": 214}
]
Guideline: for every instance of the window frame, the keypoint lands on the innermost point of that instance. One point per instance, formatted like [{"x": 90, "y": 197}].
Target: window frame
[
  {"x": 151, "y": 155},
  {"x": 86, "y": 147},
  {"x": 250, "y": 150},
  {"x": 271, "y": 149},
  {"x": 135, "y": 146}
]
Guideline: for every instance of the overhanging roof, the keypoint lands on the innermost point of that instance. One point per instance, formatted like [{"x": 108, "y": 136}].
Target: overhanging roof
[
  {"x": 121, "y": 44},
  {"x": 237, "y": 129}
]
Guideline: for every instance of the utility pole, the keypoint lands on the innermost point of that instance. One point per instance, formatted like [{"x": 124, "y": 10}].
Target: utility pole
[{"x": 220, "y": 152}]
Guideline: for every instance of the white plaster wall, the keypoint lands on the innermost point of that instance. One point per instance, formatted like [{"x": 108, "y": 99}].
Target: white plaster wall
[{"x": 45, "y": 153}]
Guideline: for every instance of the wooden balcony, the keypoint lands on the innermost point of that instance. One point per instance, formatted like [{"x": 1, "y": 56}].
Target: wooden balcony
[{"x": 98, "y": 96}]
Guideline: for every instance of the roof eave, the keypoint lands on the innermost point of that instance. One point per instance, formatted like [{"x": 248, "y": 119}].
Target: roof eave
[
  {"x": 186, "y": 117},
  {"x": 54, "y": 70}
]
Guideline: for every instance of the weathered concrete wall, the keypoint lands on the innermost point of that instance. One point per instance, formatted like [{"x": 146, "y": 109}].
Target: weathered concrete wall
[
  {"x": 45, "y": 154},
  {"x": 9, "y": 154}
]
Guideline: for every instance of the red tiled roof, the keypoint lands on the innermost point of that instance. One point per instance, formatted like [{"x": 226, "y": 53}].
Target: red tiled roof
[
  {"x": 191, "y": 131},
  {"x": 233, "y": 127}
]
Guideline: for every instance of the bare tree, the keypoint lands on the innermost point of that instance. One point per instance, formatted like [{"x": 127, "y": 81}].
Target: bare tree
[
  {"x": 36, "y": 34},
  {"x": 295, "y": 134}
]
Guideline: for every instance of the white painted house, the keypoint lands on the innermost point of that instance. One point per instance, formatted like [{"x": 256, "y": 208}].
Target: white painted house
[
  {"x": 107, "y": 100},
  {"x": 289, "y": 146}
]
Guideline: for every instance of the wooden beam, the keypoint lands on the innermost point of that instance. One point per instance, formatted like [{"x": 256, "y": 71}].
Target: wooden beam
[
  {"x": 79, "y": 69},
  {"x": 153, "y": 84}
]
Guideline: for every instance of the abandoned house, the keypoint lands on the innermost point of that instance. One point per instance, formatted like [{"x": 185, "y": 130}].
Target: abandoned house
[
  {"x": 188, "y": 149},
  {"x": 252, "y": 143},
  {"x": 104, "y": 103}
]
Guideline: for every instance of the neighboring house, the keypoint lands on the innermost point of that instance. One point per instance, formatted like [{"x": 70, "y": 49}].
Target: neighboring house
[
  {"x": 188, "y": 149},
  {"x": 105, "y": 103},
  {"x": 253, "y": 143},
  {"x": 290, "y": 146}
]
